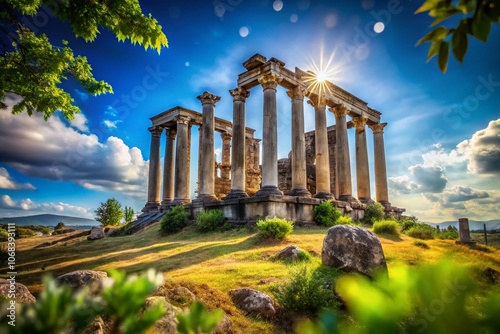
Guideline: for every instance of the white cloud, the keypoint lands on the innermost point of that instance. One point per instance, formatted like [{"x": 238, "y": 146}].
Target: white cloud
[
  {"x": 58, "y": 208},
  {"x": 80, "y": 122},
  {"x": 429, "y": 178},
  {"x": 111, "y": 124},
  {"x": 54, "y": 151},
  {"x": 6, "y": 182},
  {"x": 402, "y": 184}
]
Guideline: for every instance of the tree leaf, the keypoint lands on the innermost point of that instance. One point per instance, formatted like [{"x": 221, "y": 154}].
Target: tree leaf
[
  {"x": 481, "y": 26},
  {"x": 437, "y": 34},
  {"x": 443, "y": 56},
  {"x": 492, "y": 10},
  {"x": 459, "y": 44},
  {"x": 444, "y": 14},
  {"x": 434, "y": 49},
  {"x": 427, "y": 5}
]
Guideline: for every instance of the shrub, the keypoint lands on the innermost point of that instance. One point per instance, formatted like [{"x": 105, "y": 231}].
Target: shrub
[
  {"x": 450, "y": 233},
  {"x": 175, "y": 220},
  {"x": 421, "y": 244},
  {"x": 326, "y": 214},
  {"x": 406, "y": 224},
  {"x": 24, "y": 232},
  {"x": 421, "y": 231},
  {"x": 305, "y": 292},
  {"x": 274, "y": 228},
  {"x": 344, "y": 220},
  {"x": 4, "y": 235},
  {"x": 211, "y": 220},
  {"x": 386, "y": 227},
  {"x": 373, "y": 213},
  {"x": 304, "y": 256}
]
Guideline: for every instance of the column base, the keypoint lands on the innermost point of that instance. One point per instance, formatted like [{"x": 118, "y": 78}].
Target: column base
[
  {"x": 385, "y": 204},
  {"x": 151, "y": 207},
  {"x": 180, "y": 201},
  {"x": 366, "y": 200},
  {"x": 235, "y": 194},
  {"x": 203, "y": 198},
  {"x": 299, "y": 192},
  {"x": 347, "y": 198},
  {"x": 324, "y": 195},
  {"x": 269, "y": 190}
]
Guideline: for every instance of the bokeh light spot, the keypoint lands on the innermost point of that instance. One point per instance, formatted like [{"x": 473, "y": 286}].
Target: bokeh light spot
[
  {"x": 379, "y": 27},
  {"x": 278, "y": 5},
  {"x": 244, "y": 31}
]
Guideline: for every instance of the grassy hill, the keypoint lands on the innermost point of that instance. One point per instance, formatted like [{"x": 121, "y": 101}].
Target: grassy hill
[
  {"x": 50, "y": 220},
  {"x": 214, "y": 263}
]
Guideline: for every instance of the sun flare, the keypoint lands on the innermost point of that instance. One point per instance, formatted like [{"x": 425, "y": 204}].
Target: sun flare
[{"x": 322, "y": 74}]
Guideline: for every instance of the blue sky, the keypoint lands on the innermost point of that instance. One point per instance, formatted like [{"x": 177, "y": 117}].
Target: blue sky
[{"x": 442, "y": 141}]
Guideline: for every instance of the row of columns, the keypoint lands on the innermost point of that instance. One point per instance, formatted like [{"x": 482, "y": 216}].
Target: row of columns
[{"x": 178, "y": 192}]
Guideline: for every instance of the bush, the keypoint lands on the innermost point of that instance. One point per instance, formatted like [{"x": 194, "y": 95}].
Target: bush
[
  {"x": 421, "y": 244},
  {"x": 175, "y": 220},
  {"x": 304, "y": 256},
  {"x": 211, "y": 220},
  {"x": 407, "y": 224},
  {"x": 386, "y": 227},
  {"x": 275, "y": 228},
  {"x": 4, "y": 235},
  {"x": 326, "y": 214},
  {"x": 24, "y": 232},
  {"x": 373, "y": 213},
  {"x": 306, "y": 291},
  {"x": 450, "y": 233},
  {"x": 421, "y": 231},
  {"x": 344, "y": 220}
]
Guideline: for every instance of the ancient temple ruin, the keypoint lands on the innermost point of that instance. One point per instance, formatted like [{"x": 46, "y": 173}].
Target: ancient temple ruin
[{"x": 317, "y": 168}]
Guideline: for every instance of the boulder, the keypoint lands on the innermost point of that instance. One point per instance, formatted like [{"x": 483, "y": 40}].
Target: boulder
[
  {"x": 253, "y": 302},
  {"x": 290, "y": 253},
  {"x": 83, "y": 278},
  {"x": 168, "y": 323},
  {"x": 181, "y": 296},
  {"x": 492, "y": 275},
  {"x": 353, "y": 249},
  {"x": 225, "y": 326},
  {"x": 23, "y": 295},
  {"x": 96, "y": 233}
]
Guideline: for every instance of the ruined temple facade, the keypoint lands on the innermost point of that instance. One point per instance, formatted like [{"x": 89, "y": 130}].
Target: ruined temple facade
[{"x": 250, "y": 182}]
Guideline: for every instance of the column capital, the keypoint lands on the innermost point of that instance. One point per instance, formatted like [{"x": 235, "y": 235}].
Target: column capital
[
  {"x": 359, "y": 122},
  {"x": 156, "y": 131},
  {"x": 183, "y": 119},
  {"x": 378, "y": 128},
  {"x": 239, "y": 94},
  {"x": 226, "y": 135},
  {"x": 317, "y": 102},
  {"x": 208, "y": 98},
  {"x": 269, "y": 81},
  {"x": 339, "y": 110},
  {"x": 297, "y": 93},
  {"x": 171, "y": 133}
]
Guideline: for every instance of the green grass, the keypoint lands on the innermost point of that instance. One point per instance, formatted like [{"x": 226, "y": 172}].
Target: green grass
[{"x": 222, "y": 260}]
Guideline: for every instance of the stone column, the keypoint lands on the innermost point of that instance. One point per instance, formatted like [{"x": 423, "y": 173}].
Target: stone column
[
  {"x": 207, "y": 181},
  {"x": 168, "y": 168},
  {"x": 269, "y": 83},
  {"x": 226, "y": 155},
  {"x": 200, "y": 137},
  {"x": 154, "y": 170},
  {"x": 343, "y": 160},
  {"x": 362, "y": 168},
  {"x": 321, "y": 144},
  {"x": 181, "y": 194},
  {"x": 381, "y": 191},
  {"x": 299, "y": 173},
  {"x": 238, "y": 155}
]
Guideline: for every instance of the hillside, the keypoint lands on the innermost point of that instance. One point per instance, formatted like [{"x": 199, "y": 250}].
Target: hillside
[
  {"x": 474, "y": 225},
  {"x": 49, "y": 220}
]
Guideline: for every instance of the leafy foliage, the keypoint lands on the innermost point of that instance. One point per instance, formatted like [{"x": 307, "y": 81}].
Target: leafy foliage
[
  {"x": 198, "y": 320},
  {"x": 476, "y": 20},
  {"x": 450, "y": 232},
  {"x": 175, "y": 220},
  {"x": 306, "y": 291},
  {"x": 421, "y": 231},
  {"x": 4, "y": 235},
  {"x": 386, "y": 226},
  {"x": 421, "y": 244},
  {"x": 110, "y": 213},
  {"x": 326, "y": 213},
  {"x": 60, "y": 310},
  {"x": 59, "y": 226},
  {"x": 373, "y": 212},
  {"x": 406, "y": 224},
  {"x": 274, "y": 228},
  {"x": 430, "y": 299},
  {"x": 129, "y": 214},
  {"x": 211, "y": 220},
  {"x": 34, "y": 68}
]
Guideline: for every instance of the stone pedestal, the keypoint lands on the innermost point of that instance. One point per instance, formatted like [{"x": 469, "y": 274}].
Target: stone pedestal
[
  {"x": 168, "y": 168},
  {"x": 207, "y": 178},
  {"x": 381, "y": 191},
  {"x": 153, "y": 203},
  {"x": 269, "y": 83},
  {"x": 464, "y": 232},
  {"x": 343, "y": 160},
  {"x": 181, "y": 193},
  {"x": 299, "y": 173},
  {"x": 362, "y": 168},
  {"x": 238, "y": 156}
]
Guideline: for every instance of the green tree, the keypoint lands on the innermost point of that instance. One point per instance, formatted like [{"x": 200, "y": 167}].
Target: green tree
[
  {"x": 32, "y": 67},
  {"x": 109, "y": 213},
  {"x": 477, "y": 16},
  {"x": 129, "y": 214},
  {"x": 60, "y": 226}
]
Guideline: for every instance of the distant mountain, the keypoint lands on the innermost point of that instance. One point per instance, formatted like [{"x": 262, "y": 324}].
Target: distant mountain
[
  {"x": 49, "y": 220},
  {"x": 474, "y": 225}
]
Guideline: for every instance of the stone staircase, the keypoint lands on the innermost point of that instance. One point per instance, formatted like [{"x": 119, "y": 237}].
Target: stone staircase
[{"x": 143, "y": 221}]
